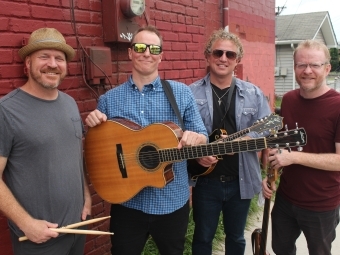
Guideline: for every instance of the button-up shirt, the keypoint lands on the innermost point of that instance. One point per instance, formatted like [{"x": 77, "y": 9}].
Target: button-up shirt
[
  {"x": 146, "y": 107},
  {"x": 250, "y": 105}
]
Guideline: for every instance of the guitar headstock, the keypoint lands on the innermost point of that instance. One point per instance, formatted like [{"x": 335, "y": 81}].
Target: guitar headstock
[
  {"x": 288, "y": 139},
  {"x": 271, "y": 123}
]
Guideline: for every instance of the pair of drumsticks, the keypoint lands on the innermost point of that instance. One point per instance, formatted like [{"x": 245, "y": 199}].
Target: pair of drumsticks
[{"x": 69, "y": 229}]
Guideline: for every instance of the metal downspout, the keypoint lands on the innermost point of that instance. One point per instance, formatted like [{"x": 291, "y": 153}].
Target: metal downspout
[
  {"x": 294, "y": 82},
  {"x": 225, "y": 14}
]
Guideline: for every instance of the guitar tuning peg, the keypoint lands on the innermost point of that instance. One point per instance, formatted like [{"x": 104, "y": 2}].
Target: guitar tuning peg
[
  {"x": 286, "y": 127},
  {"x": 299, "y": 148},
  {"x": 296, "y": 125}
]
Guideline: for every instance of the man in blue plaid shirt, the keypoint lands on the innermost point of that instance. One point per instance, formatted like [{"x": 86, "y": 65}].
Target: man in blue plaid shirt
[{"x": 160, "y": 212}]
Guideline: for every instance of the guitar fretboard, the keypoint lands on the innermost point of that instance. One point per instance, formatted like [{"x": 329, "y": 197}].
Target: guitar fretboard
[{"x": 211, "y": 149}]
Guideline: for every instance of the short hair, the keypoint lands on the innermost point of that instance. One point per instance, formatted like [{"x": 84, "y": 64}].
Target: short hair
[
  {"x": 149, "y": 28},
  {"x": 313, "y": 44},
  {"x": 221, "y": 34}
]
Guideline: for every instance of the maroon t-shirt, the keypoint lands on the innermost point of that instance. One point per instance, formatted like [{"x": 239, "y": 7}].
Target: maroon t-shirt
[{"x": 307, "y": 187}]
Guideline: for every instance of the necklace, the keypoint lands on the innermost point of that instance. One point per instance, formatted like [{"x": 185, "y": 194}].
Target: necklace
[{"x": 219, "y": 98}]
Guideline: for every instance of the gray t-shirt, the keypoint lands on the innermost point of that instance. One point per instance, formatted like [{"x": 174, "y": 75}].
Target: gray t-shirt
[{"x": 42, "y": 140}]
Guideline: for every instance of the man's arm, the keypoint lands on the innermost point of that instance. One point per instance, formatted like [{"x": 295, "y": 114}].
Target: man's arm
[
  {"x": 36, "y": 230},
  {"x": 321, "y": 161},
  {"x": 87, "y": 196}
]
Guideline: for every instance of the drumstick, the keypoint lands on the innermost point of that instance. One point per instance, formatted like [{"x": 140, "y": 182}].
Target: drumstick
[
  {"x": 75, "y": 225},
  {"x": 86, "y": 222}
]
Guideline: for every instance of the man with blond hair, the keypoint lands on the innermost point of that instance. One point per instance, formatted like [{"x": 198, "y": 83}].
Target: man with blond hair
[{"x": 308, "y": 197}]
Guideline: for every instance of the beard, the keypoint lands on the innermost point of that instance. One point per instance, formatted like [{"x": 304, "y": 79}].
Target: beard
[{"x": 37, "y": 77}]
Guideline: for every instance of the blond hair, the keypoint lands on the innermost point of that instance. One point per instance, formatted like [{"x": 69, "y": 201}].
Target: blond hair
[
  {"x": 313, "y": 44},
  {"x": 221, "y": 34}
]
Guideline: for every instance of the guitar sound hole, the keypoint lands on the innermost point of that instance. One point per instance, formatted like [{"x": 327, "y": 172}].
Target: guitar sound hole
[{"x": 149, "y": 158}]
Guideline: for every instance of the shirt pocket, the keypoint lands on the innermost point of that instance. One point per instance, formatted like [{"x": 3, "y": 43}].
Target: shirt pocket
[
  {"x": 77, "y": 125},
  {"x": 203, "y": 108},
  {"x": 249, "y": 111}
]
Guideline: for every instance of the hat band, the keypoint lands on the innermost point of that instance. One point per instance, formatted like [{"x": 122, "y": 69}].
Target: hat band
[{"x": 49, "y": 40}]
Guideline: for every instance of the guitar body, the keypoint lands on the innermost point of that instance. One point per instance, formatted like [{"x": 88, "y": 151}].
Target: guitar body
[
  {"x": 272, "y": 122},
  {"x": 116, "y": 154}
]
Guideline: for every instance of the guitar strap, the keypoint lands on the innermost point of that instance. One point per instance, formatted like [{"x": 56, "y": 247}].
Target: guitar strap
[{"x": 170, "y": 95}]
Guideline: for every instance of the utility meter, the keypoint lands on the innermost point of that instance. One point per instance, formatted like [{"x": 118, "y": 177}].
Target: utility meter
[
  {"x": 121, "y": 18},
  {"x": 132, "y": 8}
]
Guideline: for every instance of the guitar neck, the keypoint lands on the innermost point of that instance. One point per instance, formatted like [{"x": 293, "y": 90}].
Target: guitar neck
[
  {"x": 211, "y": 149},
  {"x": 265, "y": 223},
  {"x": 236, "y": 135}
]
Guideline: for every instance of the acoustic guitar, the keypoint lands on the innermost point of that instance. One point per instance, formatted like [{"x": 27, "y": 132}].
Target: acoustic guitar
[
  {"x": 122, "y": 157},
  {"x": 270, "y": 124}
]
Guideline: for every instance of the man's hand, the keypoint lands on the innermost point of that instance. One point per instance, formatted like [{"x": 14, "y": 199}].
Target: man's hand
[
  {"x": 95, "y": 118},
  {"x": 207, "y": 161},
  {"x": 281, "y": 158},
  {"x": 190, "y": 138},
  {"x": 38, "y": 230},
  {"x": 268, "y": 192}
]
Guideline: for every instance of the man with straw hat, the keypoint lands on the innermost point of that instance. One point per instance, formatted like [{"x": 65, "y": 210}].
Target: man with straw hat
[{"x": 41, "y": 152}]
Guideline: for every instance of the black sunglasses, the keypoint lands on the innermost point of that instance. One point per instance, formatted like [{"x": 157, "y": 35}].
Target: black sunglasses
[
  {"x": 229, "y": 54},
  {"x": 141, "y": 48}
]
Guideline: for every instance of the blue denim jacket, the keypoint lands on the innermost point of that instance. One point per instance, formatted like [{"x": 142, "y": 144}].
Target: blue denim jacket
[{"x": 251, "y": 105}]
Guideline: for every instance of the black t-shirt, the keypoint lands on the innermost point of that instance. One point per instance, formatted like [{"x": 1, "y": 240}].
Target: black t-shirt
[{"x": 229, "y": 165}]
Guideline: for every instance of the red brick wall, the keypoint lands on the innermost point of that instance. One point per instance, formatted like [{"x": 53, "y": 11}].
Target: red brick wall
[{"x": 185, "y": 25}]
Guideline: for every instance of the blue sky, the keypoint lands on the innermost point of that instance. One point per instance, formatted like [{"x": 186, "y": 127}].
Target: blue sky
[{"x": 304, "y": 6}]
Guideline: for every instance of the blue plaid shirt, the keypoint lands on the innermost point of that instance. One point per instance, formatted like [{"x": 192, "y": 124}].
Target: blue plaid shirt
[{"x": 152, "y": 106}]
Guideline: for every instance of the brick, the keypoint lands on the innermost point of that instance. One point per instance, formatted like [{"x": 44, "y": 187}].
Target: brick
[
  {"x": 12, "y": 9},
  {"x": 179, "y": 28},
  {"x": 185, "y": 74},
  {"x": 80, "y": 4},
  {"x": 180, "y": 65},
  {"x": 94, "y": 30},
  {"x": 53, "y": 3},
  {"x": 161, "y": 25},
  {"x": 176, "y": 8},
  {"x": 171, "y": 75},
  {"x": 163, "y": 6},
  {"x": 181, "y": 19},
  {"x": 189, "y": 11},
  {"x": 170, "y": 36},
  {"x": 6, "y": 56},
  {"x": 24, "y": 25},
  {"x": 40, "y": 2},
  {"x": 40, "y": 12},
  {"x": 11, "y": 71},
  {"x": 178, "y": 46},
  {"x": 184, "y": 37}
]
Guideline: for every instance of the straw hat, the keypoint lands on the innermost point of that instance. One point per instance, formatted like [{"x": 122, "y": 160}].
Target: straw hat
[{"x": 46, "y": 38}]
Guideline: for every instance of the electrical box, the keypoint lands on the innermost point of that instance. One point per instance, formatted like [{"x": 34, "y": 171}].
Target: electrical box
[
  {"x": 277, "y": 71},
  {"x": 98, "y": 65},
  {"x": 283, "y": 71},
  {"x": 120, "y": 19}
]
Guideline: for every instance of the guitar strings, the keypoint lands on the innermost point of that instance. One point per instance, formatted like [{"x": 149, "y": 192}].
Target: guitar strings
[{"x": 239, "y": 146}]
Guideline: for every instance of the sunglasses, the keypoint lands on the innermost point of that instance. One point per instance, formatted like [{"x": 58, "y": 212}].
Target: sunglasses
[
  {"x": 141, "y": 48},
  {"x": 229, "y": 54}
]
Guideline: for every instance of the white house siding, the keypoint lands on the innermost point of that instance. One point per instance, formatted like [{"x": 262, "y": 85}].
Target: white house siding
[
  {"x": 284, "y": 61},
  {"x": 319, "y": 36}
]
